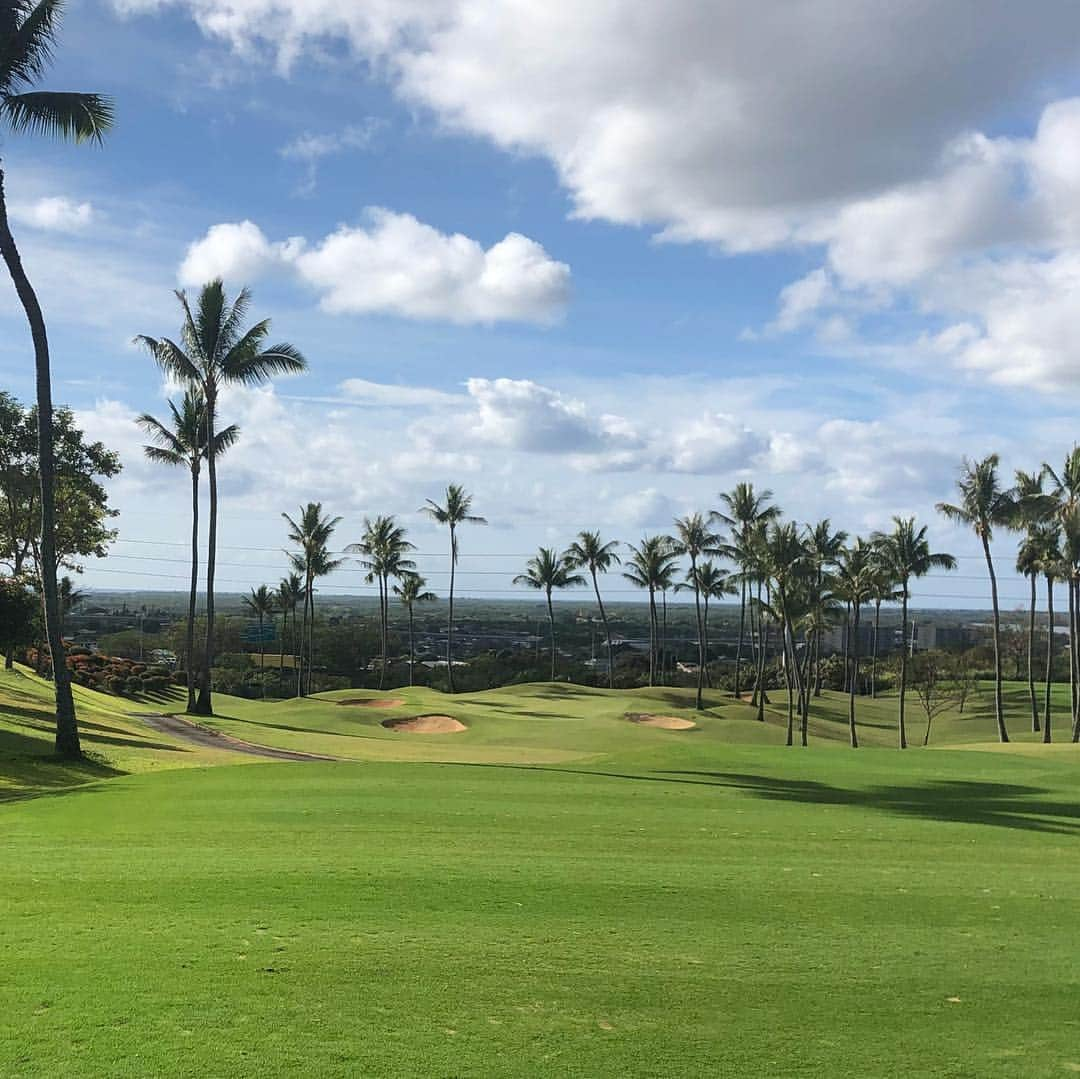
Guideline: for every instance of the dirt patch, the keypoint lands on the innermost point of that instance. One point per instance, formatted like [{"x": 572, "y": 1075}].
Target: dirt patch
[
  {"x": 667, "y": 723},
  {"x": 374, "y": 702},
  {"x": 425, "y": 725},
  {"x": 207, "y": 736}
]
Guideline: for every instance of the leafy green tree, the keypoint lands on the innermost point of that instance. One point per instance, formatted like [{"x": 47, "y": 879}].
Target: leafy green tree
[
  {"x": 262, "y": 604},
  {"x": 28, "y": 38},
  {"x": 18, "y": 610},
  {"x": 383, "y": 553},
  {"x": 933, "y": 678},
  {"x": 183, "y": 443},
  {"x": 218, "y": 351},
  {"x": 311, "y": 534},
  {"x": 411, "y": 589},
  {"x": 904, "y": 555},
  {"x": 590, "y": 552},
  {"x": 454, "y": 512},
  {"x": 545, "y": 572},
  {"x": 694, "y": 539},
  {"x": 745, "y": 512},
  {"x": 985, "y": 505}
]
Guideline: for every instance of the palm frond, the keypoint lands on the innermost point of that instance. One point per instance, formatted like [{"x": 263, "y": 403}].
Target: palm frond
[
  {"x": 28, "y": 45},
  {"x": 75, "y": 116}
]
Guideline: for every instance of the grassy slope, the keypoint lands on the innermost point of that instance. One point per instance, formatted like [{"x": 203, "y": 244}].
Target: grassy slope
[{"x": 584, "y": 897}]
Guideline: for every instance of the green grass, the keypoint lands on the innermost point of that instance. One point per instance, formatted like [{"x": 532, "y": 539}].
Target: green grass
[{"x": 556, "y": 892}]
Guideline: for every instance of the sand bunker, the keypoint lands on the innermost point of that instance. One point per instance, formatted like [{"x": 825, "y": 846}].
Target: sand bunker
[
  {"x": 425, "y": 725},
  {"x": 375, "y": 702},
  {"x": 667, "y": 723}
]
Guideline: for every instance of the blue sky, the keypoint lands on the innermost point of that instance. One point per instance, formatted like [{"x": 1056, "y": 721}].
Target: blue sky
[{"x": 597, "y": 263}]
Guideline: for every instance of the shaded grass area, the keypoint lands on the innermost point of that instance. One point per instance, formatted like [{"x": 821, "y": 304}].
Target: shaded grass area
[{"x": 686, "y": 908}]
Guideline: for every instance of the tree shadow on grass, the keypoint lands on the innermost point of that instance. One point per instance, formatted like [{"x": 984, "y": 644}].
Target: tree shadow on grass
[
  {"x": 961, "y": 801},
  {"x": 1000, "y": 805},
  {"x": 30, "y": 769}
]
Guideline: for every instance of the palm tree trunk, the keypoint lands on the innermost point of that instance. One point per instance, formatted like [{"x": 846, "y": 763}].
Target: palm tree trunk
[
  {"x": 262, "y": 657},
  {"x": 847, "y": 645},
  {"x": 1049, "y": 655},
  {"x": 788, "y": 681},
  {"x": 67, "y": 728},
  {"x": 763, "y": 649},
  {"x": 284, "y": 636},
  {"x": 1031, "y": 659},
  {"x": 551, "y": 625},
  {"x": 204, "y": 705},
  {"x": 1074, "y": 648},
  {"x": 665, "y": 661},
  {"x": 700, "y": 634},
  {"x": 193, "y": 593},
  {"x": 607, "y": 629},
  {"x": 903, "y": 663},
  {"x": 311, "y": 641},
  {"x": 873, "y": 659},
  {"x": 412, "y": 650},
  {"x": 705, "y": 631},
  {"x": 857, "y": 609},
  {"x": 383, "y": 616},
  {"x": 450, "y": 616},
  {"x": 652, "y": 637},
  {"x": 796, "y": 672},
  {"x": 739, "y": 642},
  {"x": 999, "y": 707}
]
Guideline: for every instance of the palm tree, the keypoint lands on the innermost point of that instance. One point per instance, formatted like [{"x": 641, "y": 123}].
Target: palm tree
[
  {"x": 70, "y": 597},
  {"x": 1066, "y": 494},
  {"x": 883, "y": 590},
  {"x": 984, "y": 504},
  {"x": 28, "y": 38},
  {"x": 693, "y": 539},
  {"x": 856, "y": 571},
  {"x": 183, "y": 442},
  {"x": 665, "y": 582},
  {"x": 786, "y": 559},
  {"x": 590, "y": 552},
  {"x": 411, "y": 591},
  {"x": 905, "y": 554},
  {"x": 1033, "y": 507},
  {"x": 650, "y": 565},
  {"x": 546, "y": 571},
  {"x": 455, "y": 512},
  {"x": 262, "y": 603},
  {"x": 313, "y": 560},
  {"x": 744, "y": 511},
  {"x": 1050, "y": 565},
  {"x": 290, "y": 592},
  {"x": 710, "y": 582},
  {"x": 383, "y": 549},
  {"x": 217, "y": 352},
  {"x": 825, "y": 546}
]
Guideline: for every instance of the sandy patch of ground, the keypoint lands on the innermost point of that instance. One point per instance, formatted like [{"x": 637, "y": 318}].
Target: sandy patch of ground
[
  {"x": 425, "y": 725},
  {"x": 667, "y": 723},
  {"x": 374, "y": 702}
]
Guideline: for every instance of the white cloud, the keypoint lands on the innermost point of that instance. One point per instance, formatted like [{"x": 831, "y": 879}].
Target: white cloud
[
  {"x": 310, "y": 148},
  {"x": 54, "y": 214},
  {"x": 236, "y": 252},
  {"x": 400, "y": 265},
  {"x": 396, "y": 265},
  {"x": 382, "y": 394}
]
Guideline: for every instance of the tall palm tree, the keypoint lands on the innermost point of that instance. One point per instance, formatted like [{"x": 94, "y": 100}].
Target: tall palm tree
[
  {"x": 665, "y": 582},
  {"x": 856, "y": 571},
  {"x": 744, "y": 510},
  {"x": 262, "y": 603},
  {"x": 650, "y": 565},
  {"x": 290, "y": 592},
  {"x": 984, "y": 505},
  {"x": 546, "y": 571},
  {"x": 217, "y": 351},
  {"x": 1066, "y": 494},
  {"x": 905, "y": 554},
  {"x": 1050, "y": 565},
  {"x": 411, "y": 590},
  {"x": 710, "y": 582},
  {"x": 70, "y": 597},
  {"x": 383, "y": 551},
  {"x": 694, "y": 539},
  {"x": 456, "y": 511},
  {"x": 183, "y": 442},
  {"x": 28, "y": 39},
  {"x": 786, "y": 560},
  {"x": 311, "y": 534},
  {"x": 590, "y": 552},
  {"x": 883, "y": 590},
  {"x": 824, "y": 546}
]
